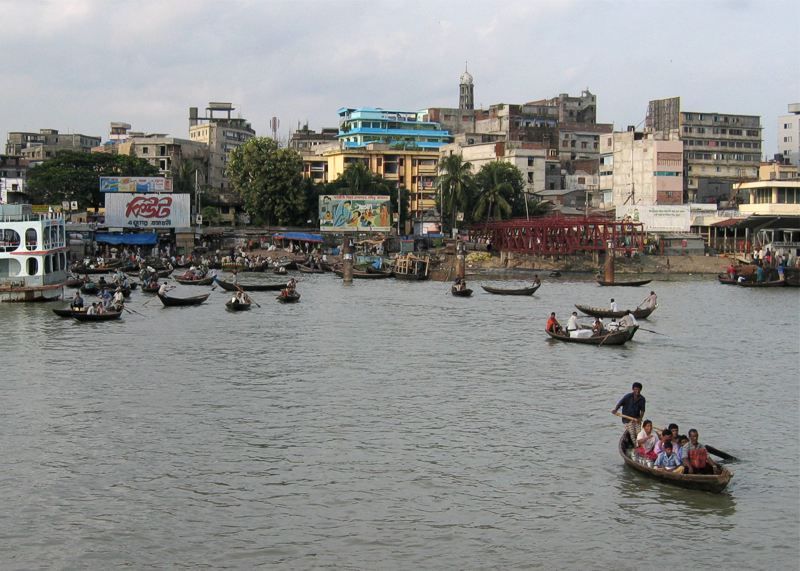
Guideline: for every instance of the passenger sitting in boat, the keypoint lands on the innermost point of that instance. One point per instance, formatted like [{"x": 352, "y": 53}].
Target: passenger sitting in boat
[
  {"x": 666, "y": 436},
  {"x": 460, "y": 284},
  {"x": 119, "y": 298},
  {"x": 101, "y": 282},
  {"x": 614, "y": 326},
  {"x": 291, "y": 285},
  {"x": 100, "y": 309},
  {"x": 682, "y": 441},
  {"x": 668, "y": 460},
  {"x": 628, "y": 320},
  {"x": 553, "y": 326},
  {"x": 646, "y": 441},
  {"x": 77, "y": 301},
  {"x": 597, "y": 327},
  {"x": 92, "y": 310},
  {"x": 163, "y": 289},
  {"x": 695, "y": 456},
  {"x": 572, "y": 322}
]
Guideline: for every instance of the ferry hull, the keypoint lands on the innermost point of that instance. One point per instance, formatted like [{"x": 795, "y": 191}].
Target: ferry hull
[{"x": 30, "y": 293}]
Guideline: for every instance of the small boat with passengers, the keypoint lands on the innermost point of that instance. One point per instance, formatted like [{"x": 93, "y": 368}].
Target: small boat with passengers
[{"x": 610, "y": 338}]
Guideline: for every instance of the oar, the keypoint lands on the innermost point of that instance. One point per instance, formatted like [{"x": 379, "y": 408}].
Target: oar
[
  {"x": 132, "y": 311},
  {"x": 651, "y": 331},
  {"x": 715, "y": 451}
]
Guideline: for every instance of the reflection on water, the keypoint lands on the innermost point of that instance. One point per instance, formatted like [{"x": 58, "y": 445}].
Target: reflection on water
[{"x": 391, "y": 425}]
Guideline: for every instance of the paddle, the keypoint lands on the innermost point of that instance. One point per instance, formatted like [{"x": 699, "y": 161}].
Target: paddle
[
  {"x": 715, "y": 451},
  {"x": 651, "y": 331},
  {"x": 132, "y": 311}
]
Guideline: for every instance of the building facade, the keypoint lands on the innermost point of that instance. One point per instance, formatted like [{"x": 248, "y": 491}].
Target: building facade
[
  {"x": 306, "y": 139},
  {"x": 639, "y": 168},
  {"x": 221, "y": 133},
  {"x": 720, "y": 149},
  {"x": 45, "y": 144},
  {"x": 789, "y": 135},
  {"x": 166, "y": 153},
  {"x": 13, "y": 173},
  {"x": 361, "y": 126}
]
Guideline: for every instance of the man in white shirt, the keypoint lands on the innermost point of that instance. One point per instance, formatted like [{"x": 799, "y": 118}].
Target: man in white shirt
[
  {"x": 628, "y": 320},
  {"x": 163, "y": 289},
  {"x": 614, "y": 306},
  {"x": 572, "y": 322}
]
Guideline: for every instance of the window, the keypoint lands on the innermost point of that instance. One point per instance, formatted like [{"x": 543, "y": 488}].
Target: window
[
  {"x": 162, "y": 150},
  {"x": 584, "y": 145},
  {"x": 145, "y": 150},
  {"x": 530, "y": 177},
  {"x": 530, "y": 161}
]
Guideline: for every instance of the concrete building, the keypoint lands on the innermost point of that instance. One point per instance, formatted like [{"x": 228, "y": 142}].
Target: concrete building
[
  {"x": 221, "y": 133},
  {"x": 789, "y": 135},
  {"x": 361, "y": 126},
  {"x": 415, "y": 170},
  {"x": 306, "y": 139},
  {"x": 37, "y": 147},
  {"x": 776, "y": 193},
  {"x": 166, "y": 153},
  {"x": 13, "y": 173},
  {"x": 720, "y": 149},
  {"x": 466, "y": 92},
  {"x": 639, "y": 168}
]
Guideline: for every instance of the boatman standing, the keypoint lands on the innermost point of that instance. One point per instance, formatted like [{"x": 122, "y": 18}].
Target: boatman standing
[
  {"x": 614, "y": 306},
  {"x": 632, "y": 405},
  {"x": 651, "y": 300},
  {"x": 572, "y": 323}
]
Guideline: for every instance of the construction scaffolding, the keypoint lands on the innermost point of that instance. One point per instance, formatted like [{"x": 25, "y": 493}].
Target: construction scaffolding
[{"x": 561, "y": 235}]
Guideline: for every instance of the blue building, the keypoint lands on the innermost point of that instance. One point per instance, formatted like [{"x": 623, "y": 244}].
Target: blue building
[{"x": 358, "y": 127}]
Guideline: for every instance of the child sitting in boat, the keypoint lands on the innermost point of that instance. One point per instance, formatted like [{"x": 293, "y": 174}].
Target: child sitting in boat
[{"x": 668, "y": 460}]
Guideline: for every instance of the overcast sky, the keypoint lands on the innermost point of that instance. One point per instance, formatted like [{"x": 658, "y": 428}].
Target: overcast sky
[{"x": 76, "y": 65}]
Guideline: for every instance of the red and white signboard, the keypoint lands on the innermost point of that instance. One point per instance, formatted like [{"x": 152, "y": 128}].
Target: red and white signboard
[{"x": 147, "y": 210}]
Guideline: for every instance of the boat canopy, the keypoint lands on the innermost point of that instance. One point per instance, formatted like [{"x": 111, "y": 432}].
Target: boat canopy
[
  {"x": 131, "y": 239},
  {"x": 301, "y": 236}
]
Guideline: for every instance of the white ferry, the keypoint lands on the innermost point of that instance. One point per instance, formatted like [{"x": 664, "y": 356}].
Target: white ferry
[{"x": 33, "y": 254}]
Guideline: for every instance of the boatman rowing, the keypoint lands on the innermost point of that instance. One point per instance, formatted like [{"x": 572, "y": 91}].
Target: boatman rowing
[{"x": 632, "y": 405}]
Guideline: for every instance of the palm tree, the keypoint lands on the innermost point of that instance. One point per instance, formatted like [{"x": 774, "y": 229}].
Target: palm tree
[
  {"x": 495, "y": 191},
  {"x": 358, "y": 177},
  {"x": 455, "y": 183}
]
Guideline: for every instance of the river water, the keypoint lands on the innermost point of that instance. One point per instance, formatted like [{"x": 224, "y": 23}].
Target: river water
[{"x": 388, "y": 425}]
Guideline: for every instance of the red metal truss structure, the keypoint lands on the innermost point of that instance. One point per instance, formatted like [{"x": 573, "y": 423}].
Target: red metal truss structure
[{"x": 561, "y": 235}]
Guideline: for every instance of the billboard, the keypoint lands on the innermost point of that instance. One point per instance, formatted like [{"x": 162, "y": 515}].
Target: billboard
[
  {"x": 354, "y": 213},
  {"x": 135, "y": 184},
  {"x": 147, "y": 211},
  {"x": 658, "y": 218}
]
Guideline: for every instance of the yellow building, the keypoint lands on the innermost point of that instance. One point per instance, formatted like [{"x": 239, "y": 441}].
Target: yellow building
[
  {"x": 776, "y": 193},
  {"x": 415, "y": 170}
]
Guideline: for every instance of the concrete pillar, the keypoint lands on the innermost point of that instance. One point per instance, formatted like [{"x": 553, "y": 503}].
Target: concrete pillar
[
  {"x": 461, "y": 259},
  {"x": 347, "y": 260},
  {"x": 608, "y": 274}
]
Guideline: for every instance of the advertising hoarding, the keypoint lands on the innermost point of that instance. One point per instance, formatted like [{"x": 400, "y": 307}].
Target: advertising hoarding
[
  {"x": 354, "y": 213},
  {"x": 147, "y": 211},
  {"x": 675, "y": 218},
  {"x": 135, "y": 184}
]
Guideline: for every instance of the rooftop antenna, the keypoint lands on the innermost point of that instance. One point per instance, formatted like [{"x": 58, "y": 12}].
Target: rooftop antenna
[{"x": 274, "y": 123}]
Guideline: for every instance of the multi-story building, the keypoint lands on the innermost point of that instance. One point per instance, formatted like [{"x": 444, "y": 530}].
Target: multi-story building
[
  {"x": 639, "y": 168},
  {"x": 773, "y": 196},
  {"x": 361, "y": 126},
  {"x": 167, "y": 153},
  {"x": 13, "y": 172},
  {"x": 412, "y": 169},
  {"x": 221, "y": 133},
  {"x": 720, "y": 149},
  {"x": 789, "y": 135},
  {"x": 306, "y": 139},
  {"x": 45, "y": 144}
]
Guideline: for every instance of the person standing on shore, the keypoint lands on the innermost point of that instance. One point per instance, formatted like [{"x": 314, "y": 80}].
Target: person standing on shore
[{"x": 633, "y": 405}]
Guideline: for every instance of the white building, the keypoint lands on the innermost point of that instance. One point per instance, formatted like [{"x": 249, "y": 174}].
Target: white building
[{"x": 789, "y": 134}]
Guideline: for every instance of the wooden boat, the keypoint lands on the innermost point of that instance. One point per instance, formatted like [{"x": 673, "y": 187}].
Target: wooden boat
[
  {"x": 520, "y": 291},
  {"x": 726, "y": 279},
  {"x": 151, "y": 288},
  {"x": 74, "y": 282},
  {"x": 706, "y": 482},
  {"x": 237, "y": 305},
  {"x": 308, "y": 270},
  {"x": 289, "y": 297},
  {"x": 230, "y": 286},
  {"x": 107, "y": 316},
  {"x": 461, "y": 292},
  {"x": 170, "y": 301},
  {"x": 202, "y": 281},
  {"x": 615, "y": 338},
  {"x": 68, "y": 311},
  {"x": 362, "y": 275},
  {"x": 411, "y": 268},
  {"x": 371, "y": 270},
  {"x": 772, "y": 283},
  {"x": 89, "y": 287},
  {"x": 638, "y": 313},
  {"x": 624, "y": 284}
]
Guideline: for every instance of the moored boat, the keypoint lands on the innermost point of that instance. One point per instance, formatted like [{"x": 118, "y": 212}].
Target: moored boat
[
  {"x": 363, "y": 275},
  {"x": 170, "y": 301},
  {"x": 309, "y": 270},
  {"x": 519, "y": 291},
  {"x": 638, "y": 313},
  {"x": 611, "y": 338},
  {"x": 411, "y": 267},
  {"x": 726, "y": 279},
  {"x": 706, "y": 482},
  {"x": 771, "y": 283}
]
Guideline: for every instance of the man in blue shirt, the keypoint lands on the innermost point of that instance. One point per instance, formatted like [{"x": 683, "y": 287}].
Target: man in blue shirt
[
  {"x": 668, "y": 460},
  {"x": 632, "y": 404}
]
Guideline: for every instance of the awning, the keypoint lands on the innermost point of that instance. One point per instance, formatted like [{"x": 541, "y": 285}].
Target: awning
[
  {"x": 144, "y": 239},
  {"x": 301, "y": 236}
]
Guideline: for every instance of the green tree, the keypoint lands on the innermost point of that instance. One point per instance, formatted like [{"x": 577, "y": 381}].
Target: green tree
[
  {"x": 73, "y": 175},
  {"x": 358, "y": 179},
  {"x": 500, "y": 190},
  {"x": 269, "y": 180},
  {"x": 455, "y": 182}
]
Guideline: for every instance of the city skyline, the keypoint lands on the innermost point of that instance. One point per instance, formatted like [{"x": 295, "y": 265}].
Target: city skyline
[{"x": 77, "y": 65}]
